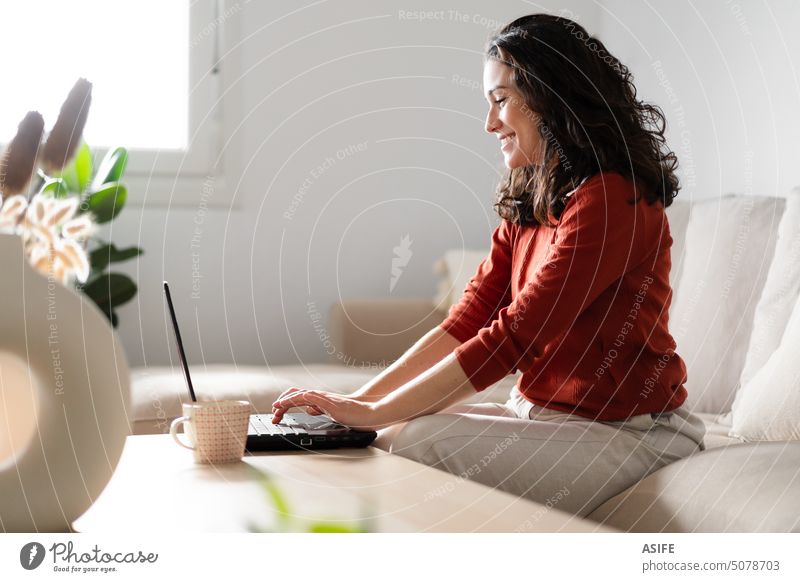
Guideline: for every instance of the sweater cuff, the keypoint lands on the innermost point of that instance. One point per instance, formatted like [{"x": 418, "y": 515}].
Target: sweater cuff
[
  {"x": 480, "y": 364},
  {"x": 461, "y": 332}
]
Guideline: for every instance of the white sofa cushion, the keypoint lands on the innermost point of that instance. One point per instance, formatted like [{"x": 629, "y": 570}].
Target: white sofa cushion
[
  {"x": 750, "y": 487},
  {"x": 768, "y": 406},
  {"x": 780, "y": 293},
  {"x": 729, "y": 245},
  {"x": 678, "y": 216},
  {"x": 717, "y": 431}
]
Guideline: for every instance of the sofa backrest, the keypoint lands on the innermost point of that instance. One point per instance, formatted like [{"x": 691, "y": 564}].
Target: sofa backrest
[{"x": 722, "y": 249}]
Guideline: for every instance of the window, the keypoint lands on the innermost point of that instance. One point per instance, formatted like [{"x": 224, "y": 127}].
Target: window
[{"x": 152, "y": 67}]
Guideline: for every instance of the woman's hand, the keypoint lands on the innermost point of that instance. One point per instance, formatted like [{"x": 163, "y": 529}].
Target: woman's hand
[
  {"x": 313, "y": 410},
  {"x": 443, "y": 384},
  {"x": 346, "y": 410}
]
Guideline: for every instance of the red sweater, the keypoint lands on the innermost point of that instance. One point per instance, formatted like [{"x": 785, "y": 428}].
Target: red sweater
[{"x": 581, "y": 309}]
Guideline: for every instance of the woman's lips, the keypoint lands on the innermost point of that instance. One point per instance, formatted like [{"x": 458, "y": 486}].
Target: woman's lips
[{"x": 505, "y": 142}]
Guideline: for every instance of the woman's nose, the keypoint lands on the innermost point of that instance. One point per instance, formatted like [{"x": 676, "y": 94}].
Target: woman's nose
[{"x": 492, "y": 123}]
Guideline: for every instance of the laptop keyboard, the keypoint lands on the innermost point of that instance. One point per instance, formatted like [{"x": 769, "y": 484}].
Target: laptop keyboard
[
  {"x": 262, "y": 424},
  {"x": 292, "y": 424}
]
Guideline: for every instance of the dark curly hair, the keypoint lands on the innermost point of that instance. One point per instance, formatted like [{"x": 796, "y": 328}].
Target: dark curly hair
[{"x": 590, "y": 119}]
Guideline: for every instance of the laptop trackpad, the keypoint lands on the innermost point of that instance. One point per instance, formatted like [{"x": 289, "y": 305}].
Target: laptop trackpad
[{"x": 311, "y": 422}]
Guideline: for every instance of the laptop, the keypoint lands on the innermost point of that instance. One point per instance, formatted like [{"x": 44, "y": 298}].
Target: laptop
[{"x": 297, "y": 430}]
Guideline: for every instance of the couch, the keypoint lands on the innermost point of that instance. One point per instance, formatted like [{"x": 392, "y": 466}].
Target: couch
[{"x": 735, "y": 316}]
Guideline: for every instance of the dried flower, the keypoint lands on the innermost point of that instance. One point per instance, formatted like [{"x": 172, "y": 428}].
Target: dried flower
[
  {"x": 11, "y": 212},
  {"x": 19, "y": 157},
  {"x": 63, "y": 140},
  {"x": 51, "y": 233}
]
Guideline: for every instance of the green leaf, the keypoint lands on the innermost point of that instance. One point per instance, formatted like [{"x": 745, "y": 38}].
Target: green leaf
[
  {"x": 278, "y": 500},
  {"x": 78, "y": 172},
  {"x": 106, "y": 202},
  {"x": 111, "y": 168},
  {"x": 326, "y": 527},
  {"x": 109, "y": 290},
  {"x": 100, "y": 257},
  {"x": 276, "y": 497},
  {"x": 55, "y": 187}
]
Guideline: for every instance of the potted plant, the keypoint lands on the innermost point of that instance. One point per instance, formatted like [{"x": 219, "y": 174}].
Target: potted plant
[{"x": 57, "y": 213}]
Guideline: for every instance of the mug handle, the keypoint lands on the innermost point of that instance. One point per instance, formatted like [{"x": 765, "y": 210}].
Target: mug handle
[{"x": 173, "y": 430}]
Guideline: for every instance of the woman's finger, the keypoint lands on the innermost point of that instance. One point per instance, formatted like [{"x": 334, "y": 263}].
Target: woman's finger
[
  {"x": 299, "y": 398},
  {"x": 279, "y": 407},
  {"x": 277, "y": 412},
  {"x": 303, "y": 398},
  {"x": 286, "y": 394},
  {"x": 288, "y": 391}
]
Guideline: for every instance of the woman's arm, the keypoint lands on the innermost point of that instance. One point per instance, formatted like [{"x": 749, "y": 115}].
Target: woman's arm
[
  {"x": 427, "y": 351},
  {"x": 443, "y": 384},
  {"x": 487, "y": 292}
]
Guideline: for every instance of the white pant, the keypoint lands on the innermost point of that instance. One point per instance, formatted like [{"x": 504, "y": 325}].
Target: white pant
[{"x": 559, "y": 459}]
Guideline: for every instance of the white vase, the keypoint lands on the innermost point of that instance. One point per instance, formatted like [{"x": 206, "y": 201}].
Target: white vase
[{"x": 64, "y": 396}]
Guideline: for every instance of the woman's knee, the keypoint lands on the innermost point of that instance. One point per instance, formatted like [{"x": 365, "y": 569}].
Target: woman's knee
[{"x": 414, "y": 438}]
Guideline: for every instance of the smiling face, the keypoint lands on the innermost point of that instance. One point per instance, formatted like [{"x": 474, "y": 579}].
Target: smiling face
[{"x": 509, "y": 118}]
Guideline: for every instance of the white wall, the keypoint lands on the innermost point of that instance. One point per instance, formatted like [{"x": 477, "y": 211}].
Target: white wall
[
  {"x": 303, "y": 83},
  {"x": 727, "y": 74}
]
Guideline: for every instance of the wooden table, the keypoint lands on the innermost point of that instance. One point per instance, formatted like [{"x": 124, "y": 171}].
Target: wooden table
[{"x": 158, "y": 487}]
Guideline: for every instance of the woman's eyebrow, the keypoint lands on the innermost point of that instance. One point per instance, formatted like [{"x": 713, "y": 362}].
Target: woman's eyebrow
[{"x": 490, "y": 91}]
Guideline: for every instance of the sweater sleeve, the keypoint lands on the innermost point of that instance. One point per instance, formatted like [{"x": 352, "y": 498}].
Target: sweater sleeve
[
  {"x": 487, "y": 292},
  {"x": 594, "y": 245}
]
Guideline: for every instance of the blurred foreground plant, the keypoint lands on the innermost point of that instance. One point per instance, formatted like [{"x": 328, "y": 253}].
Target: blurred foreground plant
[{"x": 286, "y": 521}]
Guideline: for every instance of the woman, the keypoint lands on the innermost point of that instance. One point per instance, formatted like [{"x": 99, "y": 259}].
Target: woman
[{"x": 574, "y": 294}]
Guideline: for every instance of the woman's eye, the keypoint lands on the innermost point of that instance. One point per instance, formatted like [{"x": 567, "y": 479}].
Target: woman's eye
[{"x": 500, "y": 101}]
